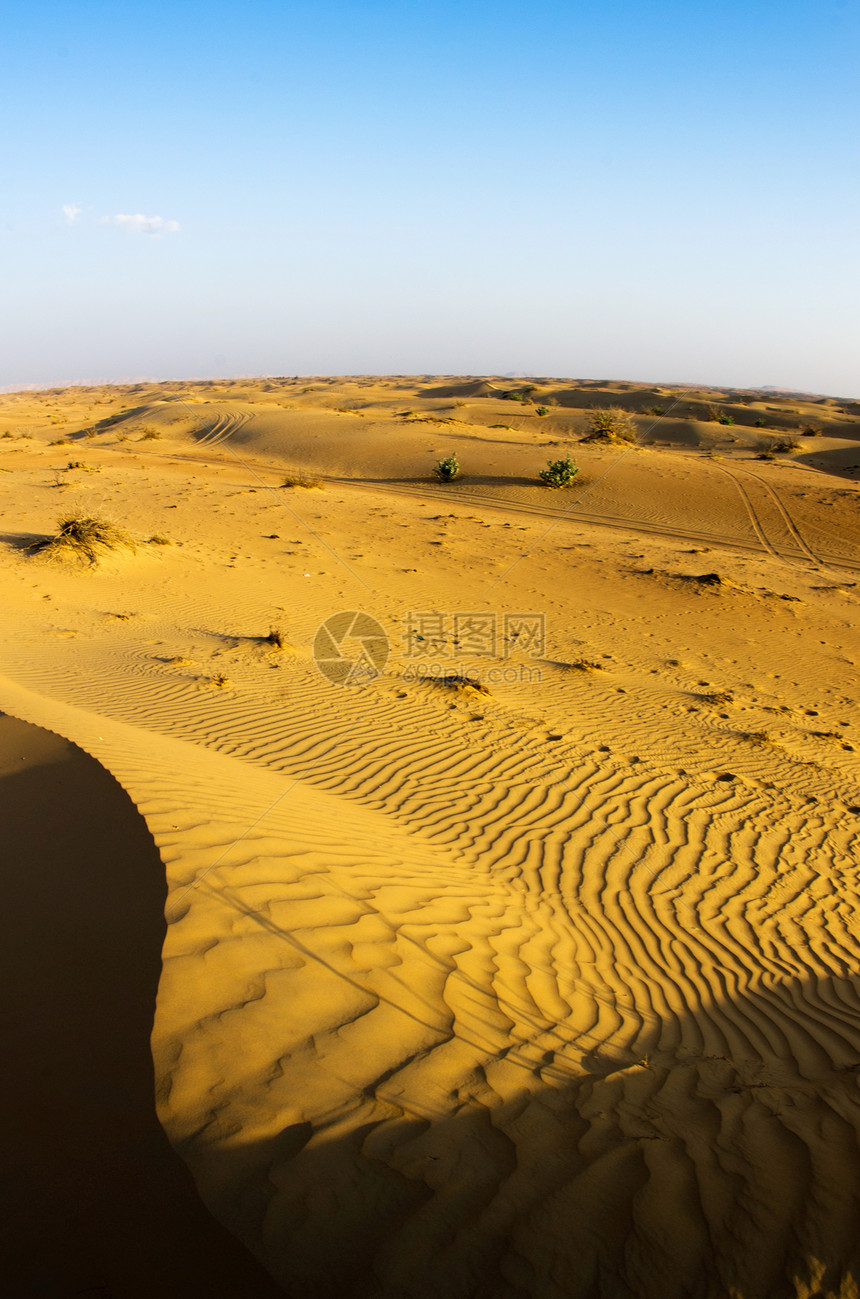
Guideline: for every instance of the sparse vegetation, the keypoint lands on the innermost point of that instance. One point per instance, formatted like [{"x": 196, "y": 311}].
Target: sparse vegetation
[
  {"x": 84, "y": 538},
  {"x": 456, "y": 681},
  {"x": 726, "y": 419},
  {"x": 655, "y": 410},
  {"x": 777, "y": 446},
  {"x": 158, "y": 540},
  {"x": 559, "y": 473},
  {"x": 276, "y": 638},
  {"x": 542, "y": 410},
  {"x": 611, "y": 425},
  {"x": 448, "y": 469},
  {"x": 300, "y": 480}
]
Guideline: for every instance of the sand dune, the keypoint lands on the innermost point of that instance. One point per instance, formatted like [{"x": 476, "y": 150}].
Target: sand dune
[
  {"x": 94, "y": 1199},
  {"x": 546, "y": 991}
]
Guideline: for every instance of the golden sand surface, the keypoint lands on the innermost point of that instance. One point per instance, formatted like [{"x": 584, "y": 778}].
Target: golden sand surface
[{"x": 544, "y": 989}]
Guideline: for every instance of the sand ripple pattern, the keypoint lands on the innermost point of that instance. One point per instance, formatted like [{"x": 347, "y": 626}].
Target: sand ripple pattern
[{"x": 438, "y": 1018}]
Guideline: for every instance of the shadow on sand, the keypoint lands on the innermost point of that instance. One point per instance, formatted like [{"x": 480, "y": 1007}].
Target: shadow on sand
[{"x": 93, "y": 1200}]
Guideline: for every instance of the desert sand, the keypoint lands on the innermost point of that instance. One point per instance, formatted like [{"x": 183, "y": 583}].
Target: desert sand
[{"x": 546, "y": 988}]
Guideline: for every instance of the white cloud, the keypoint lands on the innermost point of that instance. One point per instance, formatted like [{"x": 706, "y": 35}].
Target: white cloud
[
  {"x": 71, "y": 211},
  {"x": 144, "y": 225}
]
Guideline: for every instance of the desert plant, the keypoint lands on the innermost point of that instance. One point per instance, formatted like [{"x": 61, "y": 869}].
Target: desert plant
[
  {"x": 158, "y": 540},
  {"x": 655, "y": 410},
  {"x": 300, "y": 480},
  {"x": 276, "y": 638},
  {"x": 559, "y": 473},
  {"x": 726, "y": 419},
  {"x": 149, "y": 435},
  {"x": 782, "y": 445},
  {"x": 448, "y": 469},
  {"x": 84, "y": 537},
  {"x": 542, "y": 410},
  {"x": 611, "y": 425}
]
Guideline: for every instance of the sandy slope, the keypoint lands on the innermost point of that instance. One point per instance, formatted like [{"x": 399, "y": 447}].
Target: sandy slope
[
  {"x": 94, "y": 1201},
  {"x": 550, "y": 991}
]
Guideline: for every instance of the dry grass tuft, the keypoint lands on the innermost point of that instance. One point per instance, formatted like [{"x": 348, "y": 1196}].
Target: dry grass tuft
[
  {"x": 717, "y": 698},
  {"x": 456, "y": 681},
  {"x": 612, "y": 425},
  {"x": 300, "y": 480},
  {"x": 84, "y": 538},
  {"x": 275, "y": 638}
]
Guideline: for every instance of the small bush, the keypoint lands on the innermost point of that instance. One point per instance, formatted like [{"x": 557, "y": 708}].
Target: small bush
[
  {"x": 760, "y": 423},
  {"x": 783, "y": 445},
  {"x": 84, "y": 537},
  {"x": 542, "y": 410},
  {"x": 611, "y": 425},
  {"x": 559, "y": 473},
  {"x": 448, "y": 469},
  {"x": 655, "y": 410},
  {"x": 300, "y": 480},
  {"x": 158, "y": 540},
  {"x": 150, "y": 435},
  {"x": 726, "y": 419},
  {"x": 276, "y": 638}
]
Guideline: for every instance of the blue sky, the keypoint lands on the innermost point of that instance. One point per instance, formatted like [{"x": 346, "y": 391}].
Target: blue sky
[{"x": 654, "y": 191}]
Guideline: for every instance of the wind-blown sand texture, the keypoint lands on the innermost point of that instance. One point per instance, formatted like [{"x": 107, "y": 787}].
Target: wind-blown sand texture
[{"x": 550, "y": 991}]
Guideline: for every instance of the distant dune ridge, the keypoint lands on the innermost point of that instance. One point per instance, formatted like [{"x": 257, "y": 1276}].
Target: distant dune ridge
[{"x": 549, "y": 989}]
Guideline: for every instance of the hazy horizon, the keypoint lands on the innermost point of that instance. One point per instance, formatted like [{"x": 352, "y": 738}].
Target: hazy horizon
[{"x": 347, "y": 188}]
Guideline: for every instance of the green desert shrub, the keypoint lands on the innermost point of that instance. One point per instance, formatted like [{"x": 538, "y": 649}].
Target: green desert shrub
[
  {"x": 559, "y": 473},
  {"x": 542, "y": 410},
  {"x": 448, "y": 469}
]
